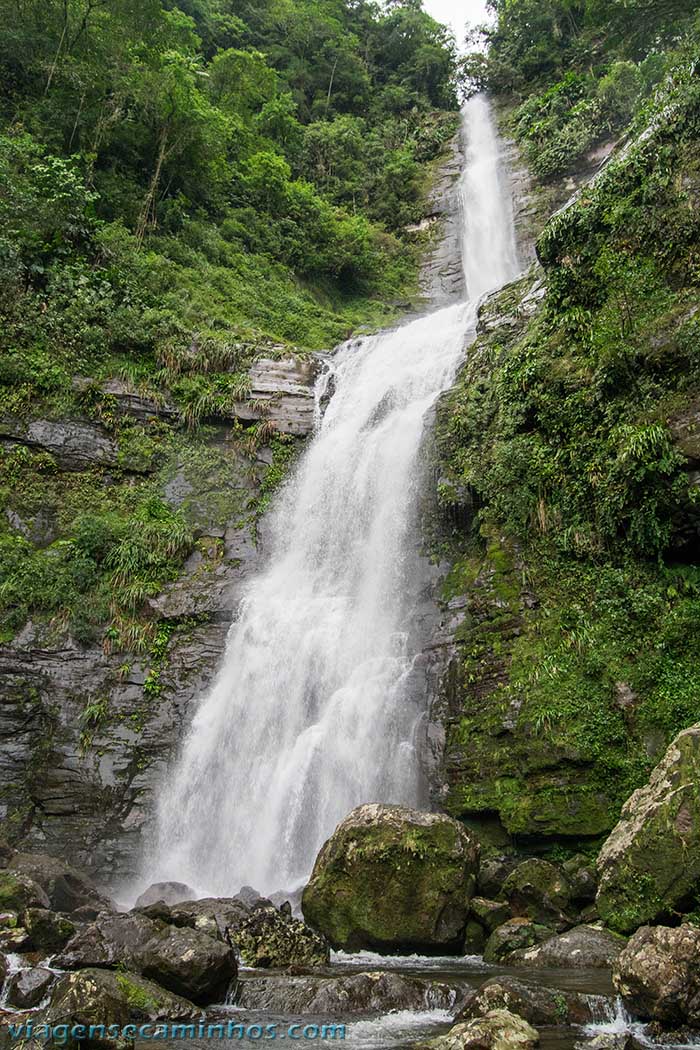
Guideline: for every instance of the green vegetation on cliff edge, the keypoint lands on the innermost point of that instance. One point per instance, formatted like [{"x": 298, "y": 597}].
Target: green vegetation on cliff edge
[
  {"x": 570, "y": 445},
  {"x": 184, "y": 188}
]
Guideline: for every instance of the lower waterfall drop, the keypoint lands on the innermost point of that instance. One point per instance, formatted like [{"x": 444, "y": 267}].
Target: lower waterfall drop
[{"x": 310, "y": 715}]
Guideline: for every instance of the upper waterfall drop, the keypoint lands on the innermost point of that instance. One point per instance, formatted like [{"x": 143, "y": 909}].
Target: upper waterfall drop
[{"x": 311, "y": 713}]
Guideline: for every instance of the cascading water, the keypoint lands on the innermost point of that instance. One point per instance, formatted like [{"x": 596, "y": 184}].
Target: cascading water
[{"x": 310, "y": 714}]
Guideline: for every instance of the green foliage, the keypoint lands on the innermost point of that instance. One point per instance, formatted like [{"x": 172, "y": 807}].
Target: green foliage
[{"x": 579, "y": 70}]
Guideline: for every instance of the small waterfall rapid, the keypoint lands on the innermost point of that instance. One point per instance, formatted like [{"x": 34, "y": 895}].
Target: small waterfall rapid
[{"x": 310, "y": 714}]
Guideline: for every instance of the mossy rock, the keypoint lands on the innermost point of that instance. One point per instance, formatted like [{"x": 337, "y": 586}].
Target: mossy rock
[
  {"x": 102, "y": 997},
  {"x": 538, "y": 890},
  {"x": 650, "y": 864},
  {"x": 19, "y": 892},
  {"x": 46, "y": 929},
  {"x": 513, "y": 935},
  {"x": 393, "y": 879}
]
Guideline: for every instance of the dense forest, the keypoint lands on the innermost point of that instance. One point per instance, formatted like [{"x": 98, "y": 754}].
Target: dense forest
[{"x": 183, "y": 187}]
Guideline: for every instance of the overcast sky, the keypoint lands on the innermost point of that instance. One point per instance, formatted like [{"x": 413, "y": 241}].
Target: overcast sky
[{"x": 457, "y": 13}]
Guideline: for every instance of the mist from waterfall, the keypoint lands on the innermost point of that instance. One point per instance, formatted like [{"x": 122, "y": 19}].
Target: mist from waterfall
[{"x": 311, "y": 714}]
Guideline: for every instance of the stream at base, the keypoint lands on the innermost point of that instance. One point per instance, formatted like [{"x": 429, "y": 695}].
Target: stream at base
[{"x": 402, "y": 1029}]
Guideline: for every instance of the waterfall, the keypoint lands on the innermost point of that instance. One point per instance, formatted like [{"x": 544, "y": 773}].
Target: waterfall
[{"x": 310, "y": 714}]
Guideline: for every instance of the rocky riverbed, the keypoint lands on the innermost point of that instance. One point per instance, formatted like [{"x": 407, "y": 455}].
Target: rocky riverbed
[{"x": 484, "y": 952}]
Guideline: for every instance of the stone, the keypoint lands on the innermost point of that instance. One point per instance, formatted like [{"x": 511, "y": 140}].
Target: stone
[
  {"x": 102, "y": 997},
  {"x": 538, "y": 890},
  {"x": 489, "y": 914},
  {"x": 214, "y": 916},
  {"x": 649, "y": 865},
  {"x": 281, "y": 391},
  {"x": 46, "y": 930},
  {"x": 18, "y": 892},
  {"x": 658, "y": 974},
  {"x": 66, "y": 887},
  {"x": 27, "y": 988},
  {"x": 75, "y": 445},
  {"x": 493, "y": 872},
  {"x": 474, "y": 938},
  {"x": 393, "y": 879},
  {"x": 185, "y": 961},
  {"x": 581, "y": 875},
  {"x": 269, "y": 937},
  {"x": 512, "y": 935},
  {"x": 169, "y": 892},
  {"x": 359, "y": 993},
  {"x": 496, "y": 1030},
  {"x": 537, "y": 1004},
  {"x": 583, "y": 947}
]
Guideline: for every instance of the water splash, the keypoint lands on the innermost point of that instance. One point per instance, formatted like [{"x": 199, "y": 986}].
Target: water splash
[{"x": 311, "y": 713}]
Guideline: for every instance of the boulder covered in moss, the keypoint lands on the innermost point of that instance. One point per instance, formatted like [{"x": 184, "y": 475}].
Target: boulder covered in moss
[
  {"x": 658, "y": 974},
  {"x": 269, "y": 937},
  {"x": 513, "y": 935},
  {"x": 496, "y": 1030},
  {"x": 19, "y": 891},
  {"x": 46, "y": 930},
  {"x": 540, "y": 891},
  {"x": 649, "y": 865},
  {"x": 100, "y": 997},
  {"x": 394, "y": 879}
]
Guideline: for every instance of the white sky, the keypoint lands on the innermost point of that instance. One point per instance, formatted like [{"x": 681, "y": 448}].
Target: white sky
[{"x": 457, "y": 13}]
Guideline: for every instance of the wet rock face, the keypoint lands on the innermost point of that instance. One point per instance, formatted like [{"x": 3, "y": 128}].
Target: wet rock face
[
  {"x": 584, "y": 947},
  {"x": 358, "y": 993},
  {"x": 496, "y": 1030},
  {"x": 393, "y": 879},
  {"x": 650, "y": 863},
  {"x": 658, "y": 974},
  {"x": 184, "y": 961},
  {"x": 442, "y": 277}
]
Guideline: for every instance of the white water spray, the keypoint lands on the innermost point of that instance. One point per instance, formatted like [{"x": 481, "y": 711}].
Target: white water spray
[{"x": 310, "y": 714}]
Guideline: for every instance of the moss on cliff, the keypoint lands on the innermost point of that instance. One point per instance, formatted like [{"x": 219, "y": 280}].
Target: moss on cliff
[{"x": 568, "y": 477}]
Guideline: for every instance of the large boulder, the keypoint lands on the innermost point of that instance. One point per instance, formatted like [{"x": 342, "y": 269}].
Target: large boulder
[
  {"x": 66, "y": 887},
  {"x": 658, "y": 974},
  {"x": 512, "y": 935},
  {"x": 100, "y": 997},
  {"x": 583, "y": 947},
  {"x": 261, "y": 934},
  {"x": 19, "y": 892},
  {"x": 269, "y": 937},
  {"x": 535, "y": 1003},
  {"x": 393, "y": 879},
  {"x": 357, "y": 993},
  {"x": 46, "y": 930},
  {"x": 168, "y": 892},
  {"x": 540, "y": 891},
  {"x": 489, "y": 914},
  {"x": 185, "y": 961},
  {"x": 650, "y": 863},
  {"x": 496, "y": 1030},
  {"x": 27, "y": 988}
]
